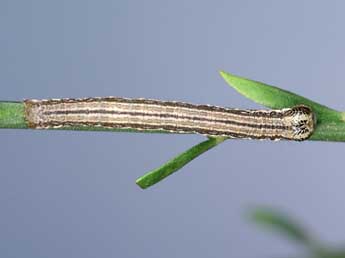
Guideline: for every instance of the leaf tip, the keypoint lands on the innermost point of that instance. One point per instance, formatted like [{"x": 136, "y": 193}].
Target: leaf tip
[
  {"x": 237, "y": 82},
  {"x": 227, "y": 76},
  {"x": 140, "y": 183},
  {"x": 222, "y": 73}
]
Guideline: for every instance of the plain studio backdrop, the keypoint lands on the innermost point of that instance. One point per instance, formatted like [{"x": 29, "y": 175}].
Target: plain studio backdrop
[{"x": 73, "y": 194}]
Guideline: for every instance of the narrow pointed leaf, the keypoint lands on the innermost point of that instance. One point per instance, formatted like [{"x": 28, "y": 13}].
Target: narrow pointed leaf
[
  {"x": 176, "y": 163},
  {"x": 276, "y": 98},
  {"x": 279, "y": 222}
]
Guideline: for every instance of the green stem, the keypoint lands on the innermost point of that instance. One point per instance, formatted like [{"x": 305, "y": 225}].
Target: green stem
[
  {"x": 12, "y": 115},
  {"x": 178, "y": 162},
  {"x": 331, "y": 131}
]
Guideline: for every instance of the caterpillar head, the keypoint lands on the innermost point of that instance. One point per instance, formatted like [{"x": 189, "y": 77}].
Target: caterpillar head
[{"x": 301, "y": 121}]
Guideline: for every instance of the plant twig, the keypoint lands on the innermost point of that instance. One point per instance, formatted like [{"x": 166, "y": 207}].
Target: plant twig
[{"x": 330, "y": 123}]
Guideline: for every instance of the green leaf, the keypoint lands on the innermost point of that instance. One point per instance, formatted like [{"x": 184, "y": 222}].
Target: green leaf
[
  {"x": 276, "y": 98},
  {"x": 178, "y": 162},
  {"x": 277, "y": 221}
]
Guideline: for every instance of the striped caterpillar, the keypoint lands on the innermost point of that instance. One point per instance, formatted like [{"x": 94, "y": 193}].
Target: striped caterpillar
[{"x": 296, "y": 123}]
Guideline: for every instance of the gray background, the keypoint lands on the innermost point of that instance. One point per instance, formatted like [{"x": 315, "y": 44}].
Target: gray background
[{"x": 72, "y": 194}]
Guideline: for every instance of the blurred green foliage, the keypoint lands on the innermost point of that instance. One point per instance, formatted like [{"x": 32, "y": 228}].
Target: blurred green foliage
[{"x": 289, "y": 228}]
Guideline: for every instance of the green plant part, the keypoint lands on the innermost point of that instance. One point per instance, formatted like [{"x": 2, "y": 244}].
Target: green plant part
[
  {"x": 12, "y": 115},
  {"x": 274, "y": 220},
  {"x": 177, "y": 163},
  {"x": 288, "y": 227}
]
